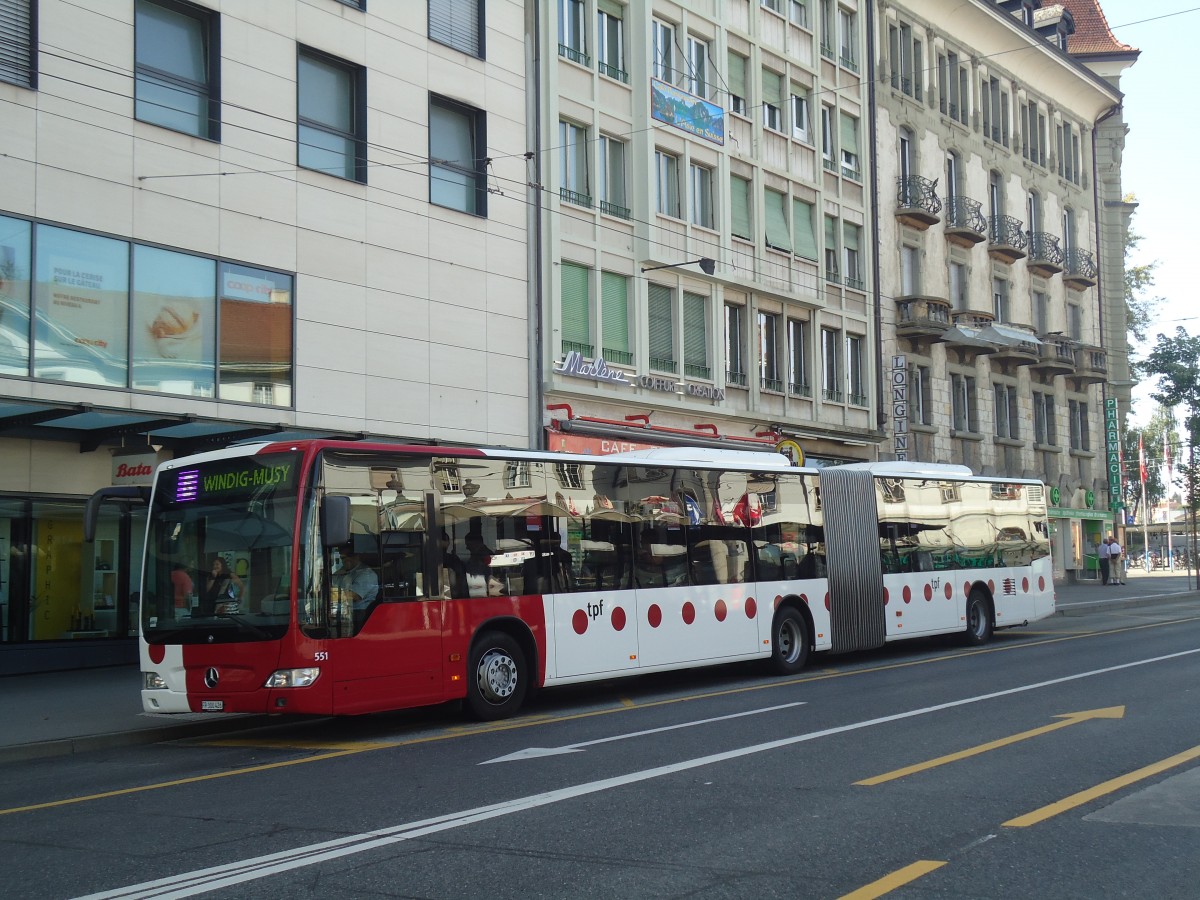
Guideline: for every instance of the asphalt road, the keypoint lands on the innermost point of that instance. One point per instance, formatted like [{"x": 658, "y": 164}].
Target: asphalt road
[{"x": 923, "y": 769}]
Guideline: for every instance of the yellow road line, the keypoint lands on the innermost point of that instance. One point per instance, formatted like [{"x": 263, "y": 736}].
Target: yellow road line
[
  {"x": 899, "y": 878},
  {"x": 1112, "y": 712},
  {"x": 1100, "y": 790}
]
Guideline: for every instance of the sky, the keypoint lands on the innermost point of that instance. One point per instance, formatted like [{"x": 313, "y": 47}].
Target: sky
[{"x": 1158, "y": 165}]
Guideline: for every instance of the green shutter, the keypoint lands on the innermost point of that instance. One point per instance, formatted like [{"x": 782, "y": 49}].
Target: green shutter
[
  {"x": 661, "y": 330},
  {"x": 616, "y": 10},
  {"x": 739, "y": 208},
  {"x": 830, "y": 233},
  {"x": 772, "y": 83},
  {"x": 614, "y": 317},
  {"x": 849, "y": 134},
  {"x": 737, "y": 75},
  {"x": 576, "y": 333},
  {"x": 777, "y": 226},
  {"x": 695, "y": 336},
  {"x": 802, "y": 222},
  {"x": 850, "y": 235}
]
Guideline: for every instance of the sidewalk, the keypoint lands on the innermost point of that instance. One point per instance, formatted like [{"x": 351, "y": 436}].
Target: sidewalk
[{"x": 62, "y": 713}]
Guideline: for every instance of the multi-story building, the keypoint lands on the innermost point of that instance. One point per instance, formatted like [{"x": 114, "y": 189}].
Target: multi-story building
[
  {"x": 705, "y": 225},
  {"x": 227, "y": 220},
  {"x": 997, "y": 327}
]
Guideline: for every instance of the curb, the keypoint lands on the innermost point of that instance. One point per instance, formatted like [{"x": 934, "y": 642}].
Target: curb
[
  {"x": 92, "y": 742},
  {"x": 1090, "y": 606}
]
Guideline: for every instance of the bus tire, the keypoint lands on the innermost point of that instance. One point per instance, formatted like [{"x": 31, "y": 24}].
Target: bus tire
[
  {"x": 979, "y": 619},
  {"x": 497, "y": 678},
  {"x": 789, "y": 642}
]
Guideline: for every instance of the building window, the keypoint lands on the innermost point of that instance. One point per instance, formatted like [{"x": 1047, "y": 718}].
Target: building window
[
  {"x": 660, "y": 309},
  {"x": 798, "y": 12},
  {"x": 801, "y": 126},
  {"x": 856, "y": 392},
  {"x": 701, "y": 196},
  {"x": 805, "y": 238},
  {"x": 611, "y": 178},
  {"x": 572, "y": 31},
  {"x": 958, "y": 286},
  {"x": 576, "y": 305},
  {"x": 1075, "y": 321},
  {"x": 331, "y": 116},
  {"x": 1041, "y": 312},
  {"x": 735, "y": 343},
  {"x": 458, "y": 24},
  {"x": 768, "y": 357},
  {"x": 850, "y": 147},
  {"x": 1000, "y": 299},
  {"x": 827, "y": 137},
  {"x": 828, "y": 29},
  {"x": 457, "y": 156},
  {"x": 610, "y": 40},
  {"x": 666, "y": 166},
  {"x": 737, "y": 83},
  {"x": 739, "y": 208},
  {"x": 176, "y": 295},
  {"x": 516, "y": 475},
  {"x": 1044, "y": 431},
  {"x": 848, "y": 31},
  {"x": 797, "y": 345},
  {"x": 901, "y": 47},
  {"x": 177, "y": 61},
  {"x": 775, "y": 209},
  {"x": 697, "y": 61},
  {"x": 15, "y": 242},
  {"x": 910, "y": 271},
  {"x": 920, "y": 395},
  {"x": 852, "y": 271},
  {"x": 964, "y": 410},
  {"x": 831, "y": 251},
  {"x": 772, "y": 106},
  {"x": 695, "y": 336},
  {"x": 1007, "y": 412},
  {"x": 1077, "y": 410},
  {"x": 614, "y": 318},
  {"x": 573, "y": 164},
  {"x": 662, "y": 64},
  {"x": 831, "y": 364}
]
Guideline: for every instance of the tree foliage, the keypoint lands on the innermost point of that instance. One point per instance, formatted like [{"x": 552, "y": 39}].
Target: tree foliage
[
  {"x": 1175, "y": 362},
  {"x": 1161, "y": 423},
  {"x": 1139, "y": 279}
]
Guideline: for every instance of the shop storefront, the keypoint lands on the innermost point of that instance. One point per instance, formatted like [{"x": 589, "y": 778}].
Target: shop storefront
[{"x": 1076, "y": 533}]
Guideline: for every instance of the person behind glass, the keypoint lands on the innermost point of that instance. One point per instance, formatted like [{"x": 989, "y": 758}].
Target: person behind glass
[
  {"x": 182, "y": 583},
  {"x": 478, "y": 568},
  {"x": 354, "y": 583},
  {"x": 221, "y": 587},
  {"x": 453, "y": 571}
]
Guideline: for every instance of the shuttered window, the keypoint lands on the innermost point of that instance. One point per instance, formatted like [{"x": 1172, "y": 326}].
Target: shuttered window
[
  {"x": 739, "y": 208},
  {"x": 661, "y": 330},
  {"x": 614, "y": 318},
  {"x": 16, "y": 42},
  {"x": 576, "y": 308},
  {"x": 695, "y": 336},
  {"x": 457, "y": 24},
  {"x": 775, "y": 207},
  {"x": 802, "y": 223},
  {"x": 737, "y": 83}
]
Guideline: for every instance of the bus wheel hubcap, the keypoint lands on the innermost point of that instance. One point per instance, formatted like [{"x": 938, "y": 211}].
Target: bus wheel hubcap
[{"x": 497, "y": 676}]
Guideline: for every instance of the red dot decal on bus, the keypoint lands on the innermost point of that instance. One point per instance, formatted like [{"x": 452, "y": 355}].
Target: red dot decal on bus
[
  {"x": 720, "y": 610},
  {"x": 751, "y": 608},
  {"x": 827, "y": 607},
  {"x": 1041, "y": 583},
  {"x": 618, "y": 619},
  {"x": 907, "y": 594},
  {"x": 886, "y": 596},
  {"x": 1024, "y": 585},
  {"x": 803, "y": 599},
  {"x": 579, "y": 621},
  {"x": 158, "y": 652},
  {"x": 654, "y": 615},
  {"x": 689, "y": 613},
  {"x": 928, "y": 592},
  {"x": 778, "y": 600},
  {"x": 949, "y": 591},
  {"x": 991, "y": 586},
  {"x": 967, "y": 589}
]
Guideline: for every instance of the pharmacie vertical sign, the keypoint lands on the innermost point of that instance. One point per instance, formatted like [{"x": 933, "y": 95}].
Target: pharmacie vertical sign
[
  {"x": 1112, "y": 441},
  {"x": 900, "y": 407}
]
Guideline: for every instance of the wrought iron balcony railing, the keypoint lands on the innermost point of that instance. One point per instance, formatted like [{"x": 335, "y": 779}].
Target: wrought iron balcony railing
[
  {"x": 963, "y": 212},
  {"x": 574, "y": 55},
  {"x": 613, "y": 72},
  {"x": 915, "y": 192},
  {"x": 618, "y": 357},
  {"x": 1045, "y": 248},
  {"x": 1080, "y": 263},
  {"x": 799, "y": 389},
  {"x": 663, "y": 364},
  {"x": 568, "y": 196},
  {"x": 771, "y": 384},
  {"x": 1007, "y": 231},
  {"x": 736, "y": 378},
  {"x": 582, "y": 349},
  {"x": 612, "y": 209}
]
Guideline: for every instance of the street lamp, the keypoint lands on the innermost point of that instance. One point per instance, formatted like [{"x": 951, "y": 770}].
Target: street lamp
[{"x": 707, "y": 266}]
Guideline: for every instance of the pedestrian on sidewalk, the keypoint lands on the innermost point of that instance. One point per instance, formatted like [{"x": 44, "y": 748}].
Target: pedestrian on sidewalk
[
  {"x": 1116, "y": 561},
  {"x": 1103, "y": 552}
]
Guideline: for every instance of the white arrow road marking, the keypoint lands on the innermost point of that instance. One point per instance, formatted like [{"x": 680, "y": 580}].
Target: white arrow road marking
[
  {"x": 188, "y": 884},
  {"x": 535, "y": 752}
]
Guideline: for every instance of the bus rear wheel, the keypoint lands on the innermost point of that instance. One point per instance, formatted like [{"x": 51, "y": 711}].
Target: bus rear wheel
[
  {"x": 498, "y": 677},
  {"x": 789, "y": 642},
  {"x": 979, "y": 619}
]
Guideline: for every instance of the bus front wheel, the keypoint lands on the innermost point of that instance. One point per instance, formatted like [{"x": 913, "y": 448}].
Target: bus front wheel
[
  {"x": 979, "y": 619},
  {"x": 498, "y": 677},
  {"x": 789, "y": 642}
]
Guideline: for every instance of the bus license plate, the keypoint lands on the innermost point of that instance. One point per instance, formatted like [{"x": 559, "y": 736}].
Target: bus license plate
[{"x": 212, "y": 705}]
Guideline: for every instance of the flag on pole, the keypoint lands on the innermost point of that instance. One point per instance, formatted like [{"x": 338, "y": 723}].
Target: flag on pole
[
  {"x": 1141, "y": 460},
  {"x": 1167, "y": 458}
]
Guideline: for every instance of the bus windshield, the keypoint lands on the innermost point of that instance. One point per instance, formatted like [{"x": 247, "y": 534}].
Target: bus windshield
[{"x": 219, "y": 551}]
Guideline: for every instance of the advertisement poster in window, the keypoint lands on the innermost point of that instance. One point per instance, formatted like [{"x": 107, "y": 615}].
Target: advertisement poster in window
[
  {"x": 256, "y": 335},
  {"x": 174, "y": 318},
  {"x": 14, "y": 297}
]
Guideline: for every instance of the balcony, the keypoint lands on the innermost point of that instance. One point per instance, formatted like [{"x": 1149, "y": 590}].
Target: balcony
[
  {"x": 1016, "y": 344},
  {"x": 917, "y": 202},
  {"x": 1057, "y": 356},
  {"x": 965, "y": 335},
  {"x": 1006, "y": 240},
  {"x": 1091, "y": 365},
  {"x": 921, "y": 317},
  {"x": 1045, "y": 254},
  {"x": 1080, "y": 268},
  {"x": 965, "y": 222}
]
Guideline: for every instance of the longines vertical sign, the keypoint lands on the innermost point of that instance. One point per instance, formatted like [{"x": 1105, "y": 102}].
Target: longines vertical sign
[
  {"x": 1112, "y": 440},
  {"x": 900, "y": 407}
]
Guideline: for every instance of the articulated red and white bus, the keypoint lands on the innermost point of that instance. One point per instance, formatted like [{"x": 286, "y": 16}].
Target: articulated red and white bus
[{"x": 350, "y": 577}]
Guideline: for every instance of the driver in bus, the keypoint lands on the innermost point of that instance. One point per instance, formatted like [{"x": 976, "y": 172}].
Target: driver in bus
[{"x": 354, "y": 583}]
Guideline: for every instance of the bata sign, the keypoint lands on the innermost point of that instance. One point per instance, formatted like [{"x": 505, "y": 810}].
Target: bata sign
[{"x": 137, "y": 469}]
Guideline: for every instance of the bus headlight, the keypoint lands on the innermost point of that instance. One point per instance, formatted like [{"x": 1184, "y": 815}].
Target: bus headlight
[
  {"x": 152, "y": 681},
  {"x": 293, "y": 678}
]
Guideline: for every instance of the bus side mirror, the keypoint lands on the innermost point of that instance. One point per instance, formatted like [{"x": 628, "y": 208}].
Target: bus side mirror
[{"x": 335, "y": 520}]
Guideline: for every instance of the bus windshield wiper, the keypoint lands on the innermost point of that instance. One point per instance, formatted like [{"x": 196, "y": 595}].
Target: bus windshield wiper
[{"x": 243, "y": 623}]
